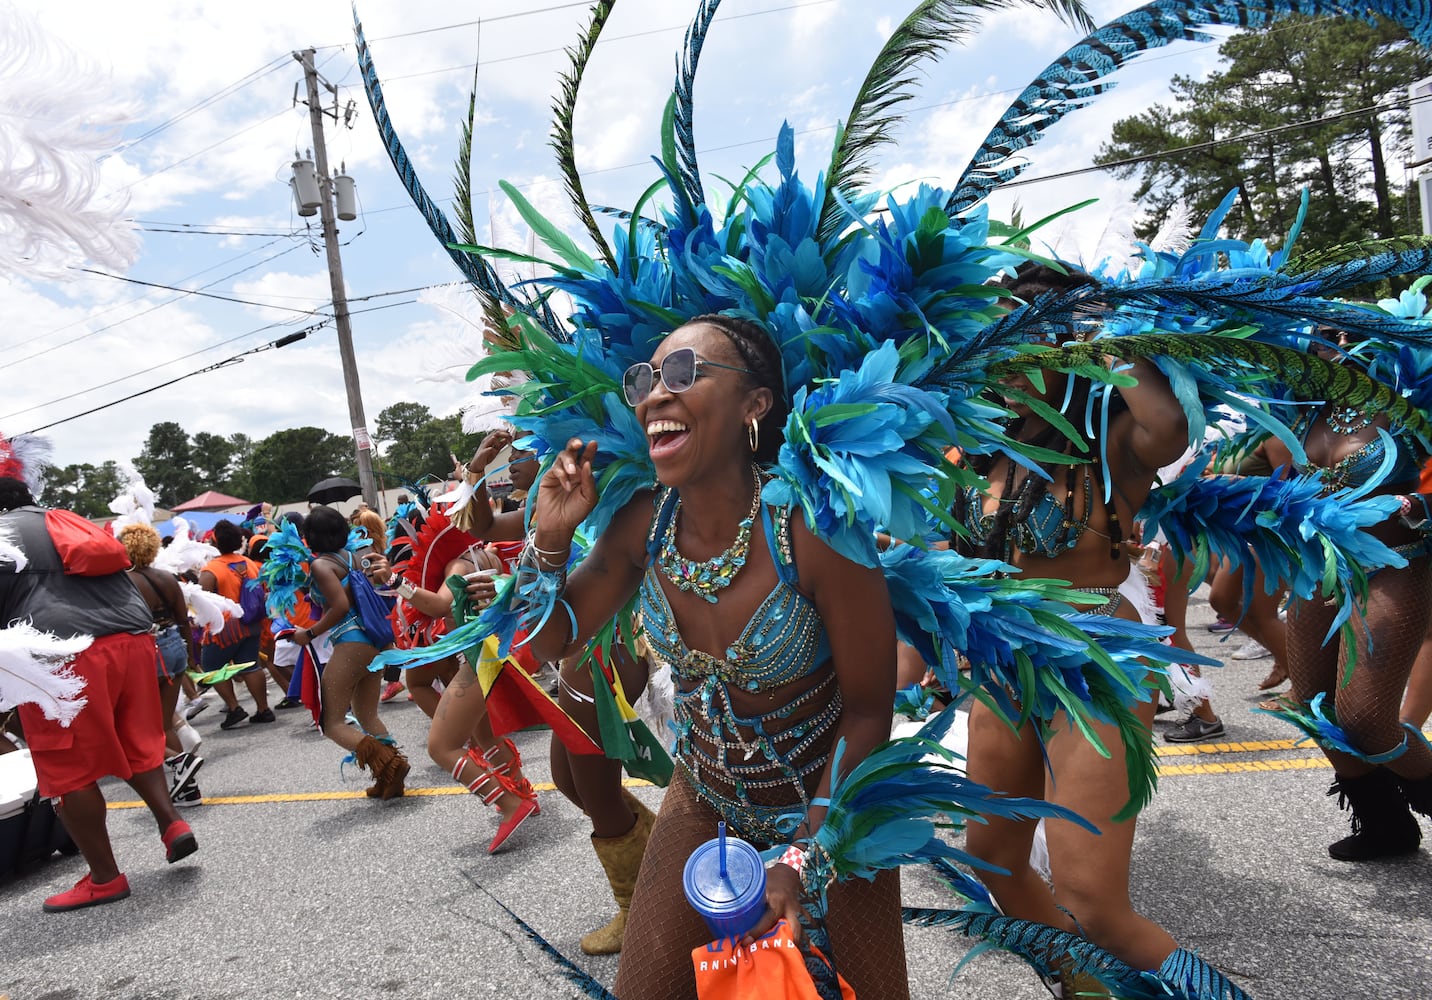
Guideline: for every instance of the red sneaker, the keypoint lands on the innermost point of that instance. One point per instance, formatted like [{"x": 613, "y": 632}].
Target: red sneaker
[
  {"x": 179, "y": 841},
  {"x": 508, "y": 827},
  {"x": 391, "y": 691},
  {"x": 89, "y": 893}
]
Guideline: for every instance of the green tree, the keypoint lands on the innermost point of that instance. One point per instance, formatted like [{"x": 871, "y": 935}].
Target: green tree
[
  {"x": 401, "y": 421},
  {"x": 240, "y": 481},
  {"x": 84, "y": 489},
  {"x": 167, "y": 464},
  {"x": 286, "y": 464},
  {"x": 424, "y": 449},
  {"x": 212, "y": 457},
  {"x": 1309, "y": 79}
]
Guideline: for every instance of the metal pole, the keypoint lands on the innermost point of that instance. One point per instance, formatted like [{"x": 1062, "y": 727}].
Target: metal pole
[{"x": 363, "y": 444}]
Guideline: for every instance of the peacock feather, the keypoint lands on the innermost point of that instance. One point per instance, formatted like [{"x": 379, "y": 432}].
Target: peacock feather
[
  {"x": 490, "y": 289},
  {"x": 1084, "y": 72},
  {"x": 683, "y": 103}
]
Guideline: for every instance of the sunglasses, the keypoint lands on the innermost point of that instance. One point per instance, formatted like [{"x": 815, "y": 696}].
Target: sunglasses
[{"x": 679, "y": 371}]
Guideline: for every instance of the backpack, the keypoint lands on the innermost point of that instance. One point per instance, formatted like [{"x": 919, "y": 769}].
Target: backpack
[
  {"x": 85, "y": 549},
  {"x": 251, "y": 594},
  {"x": 374, "y": 610}
]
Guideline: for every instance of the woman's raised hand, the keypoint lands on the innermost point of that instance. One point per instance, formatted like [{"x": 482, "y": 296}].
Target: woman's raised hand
[
  {"x": 487, "y": 450},
  {"x": 567, "y": 495}
]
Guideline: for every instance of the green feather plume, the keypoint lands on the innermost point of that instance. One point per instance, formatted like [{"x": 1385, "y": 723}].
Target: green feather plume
[
  {"x": 565, "y": 108},
  {"x": 462, "y": 202},
  {"x": 930, "y": 28}
]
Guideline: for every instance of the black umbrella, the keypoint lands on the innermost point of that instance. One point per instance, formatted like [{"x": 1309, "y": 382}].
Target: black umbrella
[{"x": 333, "y": 490}]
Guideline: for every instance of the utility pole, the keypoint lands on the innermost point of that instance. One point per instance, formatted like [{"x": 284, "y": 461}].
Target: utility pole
[{"x": 363, "y": 443}]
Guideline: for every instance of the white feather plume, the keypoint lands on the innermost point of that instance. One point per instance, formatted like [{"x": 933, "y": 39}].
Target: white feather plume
[
  {"x": 33, "y": 452},
  {"x": 1189, "y": 689},
  {"x": 9, "y": 550},
  {"x": 54, "y": 125},
  {"x": 183, "y": 554},
  {"x": 135, "y": 503},
  {"x": 1177, "y": 232},
  {"x": 448, "y": 359},
  {"x": 34, "y": 670},
  {"x": 207, "y": 608}
]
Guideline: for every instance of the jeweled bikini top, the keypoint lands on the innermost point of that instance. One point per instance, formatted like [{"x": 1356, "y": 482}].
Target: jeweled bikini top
[{"x": 784, "y": 641}]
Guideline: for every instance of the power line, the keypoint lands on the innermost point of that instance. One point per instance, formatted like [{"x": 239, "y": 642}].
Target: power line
[
  {"x": 1393, "y": 105},
  {"x": 196, "y": 230},
  {"x": 483, "y": 20},
  {"x": 222, "y": 343},
  {"x": 600, "y": 41},
  {"x": 247, "y": 128},
  {"x": 131, "y": 301},
  {"x": 11, "y": 362},
  {"x": 236, "y": 359},
  {"x": 233, "y": 88},
  {"x": 190, "y": 291}
]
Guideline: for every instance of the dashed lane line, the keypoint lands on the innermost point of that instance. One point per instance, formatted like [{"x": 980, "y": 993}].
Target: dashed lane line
[{"x": 1165, "y": 770}]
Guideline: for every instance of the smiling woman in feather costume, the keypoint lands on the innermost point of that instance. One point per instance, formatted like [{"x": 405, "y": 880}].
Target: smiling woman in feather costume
[{"x": 852, "y": 335}]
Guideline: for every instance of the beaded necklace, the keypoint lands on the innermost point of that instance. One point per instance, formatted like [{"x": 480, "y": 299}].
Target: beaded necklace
[{"x": 707, "y": 578}]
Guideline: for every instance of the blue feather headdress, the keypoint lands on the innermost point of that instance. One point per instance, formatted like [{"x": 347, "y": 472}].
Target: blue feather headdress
[{"x": 890, "y": 331}]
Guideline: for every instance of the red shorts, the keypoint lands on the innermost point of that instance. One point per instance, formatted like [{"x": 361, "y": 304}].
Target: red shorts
[{"x": 120, "y": 731}]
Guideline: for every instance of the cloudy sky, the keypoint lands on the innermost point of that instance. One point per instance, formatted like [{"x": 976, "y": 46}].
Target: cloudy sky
[{"x": 213, "y": 129}]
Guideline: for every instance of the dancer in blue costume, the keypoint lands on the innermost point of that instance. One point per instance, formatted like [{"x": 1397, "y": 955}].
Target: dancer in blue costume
[
  {"x": 881, "y": 333},
  {"x": 1066, "y": 526},
  {"x": 1347, "y": 695}
]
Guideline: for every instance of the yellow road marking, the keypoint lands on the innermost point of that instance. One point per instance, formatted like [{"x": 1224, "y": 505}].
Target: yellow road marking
[
  {"x": 252, "y": 800},
  {"x": 1252, "y": 746},
  {"x": 1166, "y": 770}
]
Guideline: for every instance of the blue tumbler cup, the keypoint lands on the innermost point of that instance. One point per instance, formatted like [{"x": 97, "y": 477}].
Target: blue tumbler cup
[{"x": 726, "y": 882}]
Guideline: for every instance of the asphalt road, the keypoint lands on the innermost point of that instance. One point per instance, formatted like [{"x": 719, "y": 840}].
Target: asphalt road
[{"x": 304, "y": 888}]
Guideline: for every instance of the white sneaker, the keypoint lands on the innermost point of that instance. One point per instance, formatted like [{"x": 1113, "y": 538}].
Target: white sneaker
[
  {"x": 194, "y": 707},
  {"x": 189, "y": 737},
  {"x": 1251, "y": 650}
]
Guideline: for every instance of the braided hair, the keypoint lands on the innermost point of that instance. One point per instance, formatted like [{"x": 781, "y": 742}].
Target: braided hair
[{"x": 760, "y": 354}]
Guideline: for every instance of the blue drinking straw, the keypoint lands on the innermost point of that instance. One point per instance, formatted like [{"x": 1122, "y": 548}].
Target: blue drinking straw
[{"x": 721, "y": 839}]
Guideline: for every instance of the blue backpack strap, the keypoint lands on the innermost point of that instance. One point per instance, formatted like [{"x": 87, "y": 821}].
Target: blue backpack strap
[{"x": 666, "y": 502}]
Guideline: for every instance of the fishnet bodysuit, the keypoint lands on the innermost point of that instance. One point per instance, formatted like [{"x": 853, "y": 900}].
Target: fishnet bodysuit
[{"x": 1398, "y": 608}]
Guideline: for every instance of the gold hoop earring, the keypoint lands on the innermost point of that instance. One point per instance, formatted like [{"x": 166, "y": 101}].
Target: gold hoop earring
[{"x": 753, "y": 434}]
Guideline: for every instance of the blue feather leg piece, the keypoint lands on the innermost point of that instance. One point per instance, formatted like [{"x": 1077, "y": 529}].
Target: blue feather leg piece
[{"x": 1319, "y": 723}]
